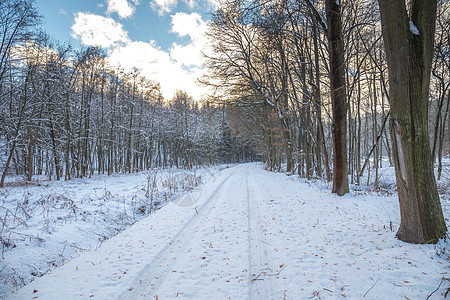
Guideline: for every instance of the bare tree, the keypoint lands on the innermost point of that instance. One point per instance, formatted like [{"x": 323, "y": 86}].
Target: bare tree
[{"x": 18, "y": 18}]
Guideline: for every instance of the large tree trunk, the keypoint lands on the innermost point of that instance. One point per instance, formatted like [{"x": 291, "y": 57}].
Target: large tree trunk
[
  {"x": 409, "y": 51},
  {"x": 338, "y": 97}
]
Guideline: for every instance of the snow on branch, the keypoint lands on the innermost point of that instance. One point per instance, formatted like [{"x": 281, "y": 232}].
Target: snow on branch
[
  {"x": 317, "y": 15},
  {"x": 413, "y": 28}
]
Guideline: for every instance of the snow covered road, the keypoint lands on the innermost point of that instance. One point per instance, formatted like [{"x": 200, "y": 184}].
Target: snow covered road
[{"x": 252, "y": 234}]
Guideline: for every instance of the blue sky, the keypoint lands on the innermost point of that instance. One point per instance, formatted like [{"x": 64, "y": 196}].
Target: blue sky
[{"x": 162, "y": 38}]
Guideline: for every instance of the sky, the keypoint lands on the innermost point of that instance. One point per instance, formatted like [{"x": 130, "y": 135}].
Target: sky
[{"x": 162, "y": 38}]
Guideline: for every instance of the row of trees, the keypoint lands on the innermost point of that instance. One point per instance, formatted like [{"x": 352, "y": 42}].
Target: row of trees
[
  {"x": 306, "y": 83},
  {"x": 314, "y": 82},
  {"x": 67, "y": 113}
]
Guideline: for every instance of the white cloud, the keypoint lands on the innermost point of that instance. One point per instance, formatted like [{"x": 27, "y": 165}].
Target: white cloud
[
  {"x": 163, "y": 6},
  {"x": 95, "y": 30},
  {"x": 175, "y": 69},
  {"x": 190, "y": 3},
  {"x": 189, "y": 55},
  {"x": 188, "y": 24},
  {"x": 214, "y": 4},
  {"x": 156, "y": 64},
  {"x": 193, "y": 26},
  {"x": 166, "y": 6},
  {"x": 121, "y": 7}
]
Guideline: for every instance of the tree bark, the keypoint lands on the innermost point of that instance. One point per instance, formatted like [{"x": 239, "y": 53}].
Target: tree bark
[
  {"x": 338, "y": 97},
  {"x": 409, "y": 50}
]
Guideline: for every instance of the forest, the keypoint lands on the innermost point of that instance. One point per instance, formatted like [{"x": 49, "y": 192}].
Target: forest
[
  {"x": 303, "y": 86},
  {"x": 270, "y": 63},
  {"x": 67, "y": 113},
  {"x": 319, "y": 115},
  {"x": 335, "y": 86}
]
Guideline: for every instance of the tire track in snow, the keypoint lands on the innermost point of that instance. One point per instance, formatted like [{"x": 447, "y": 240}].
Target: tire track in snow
[
  {"x": 157, "y": 270},
  {"x": 260, "y": 286}
]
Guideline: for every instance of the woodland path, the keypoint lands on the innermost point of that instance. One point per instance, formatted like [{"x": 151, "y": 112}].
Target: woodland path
[{"x": 229, "y": 229}]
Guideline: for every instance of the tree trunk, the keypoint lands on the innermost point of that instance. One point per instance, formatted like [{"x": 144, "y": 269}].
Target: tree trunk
[
  {"x": 317, "y": 101},
  {"x": 442, "y": 135},
  {"x": 409, "y": 52},
  {"x": 338, "y": 97}
]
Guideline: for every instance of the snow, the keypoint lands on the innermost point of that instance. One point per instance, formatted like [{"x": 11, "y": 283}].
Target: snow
[
  {"x": 251, "y": 234},
  {"x": 413, "y": 28},
  {"x": 47, "y": 224}
]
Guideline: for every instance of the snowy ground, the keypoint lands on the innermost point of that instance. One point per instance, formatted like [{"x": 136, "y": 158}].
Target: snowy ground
[
  {"x": 46, "y": 224},
  {"x": 251, "y": 234}
]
